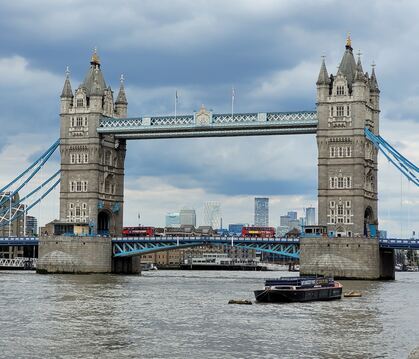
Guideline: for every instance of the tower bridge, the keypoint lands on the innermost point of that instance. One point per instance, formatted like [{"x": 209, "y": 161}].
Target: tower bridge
[{"x": 94, "y": 130}]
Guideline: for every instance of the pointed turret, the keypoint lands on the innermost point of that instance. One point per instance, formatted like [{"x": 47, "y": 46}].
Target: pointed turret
[
  {"x": 121, "y": 99},
  {"x": 94, "y": 83},
  {"x": 67, "y": 92},
  {"x": 323, "y": 78},
  {"x": 121, "y": 102},
  {"x": 373, "y": 81},
  {"x": 359, "y": 73},
  {"x": 347, "y": 66}
]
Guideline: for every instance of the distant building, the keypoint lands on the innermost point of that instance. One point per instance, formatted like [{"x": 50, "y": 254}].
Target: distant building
[
  {"x": 187, "y": 217},
  {"x": 16, "y": 228},
  {"x": 236, "y": 228},
  {"x": 31, "y": 226},
  {"x": 383, "y": 234},
  {"x": 292, "y": 215},
  {"x": 294, "y": 224},
  {"x": 262, "y": 211},
  {"x": 285, "y": 221},
  {"x": 173, "y": 219},
  {"x": 310, "y": 219},
  {"x": 281, "y": 231},
  {"x": 212, "y": 214}
]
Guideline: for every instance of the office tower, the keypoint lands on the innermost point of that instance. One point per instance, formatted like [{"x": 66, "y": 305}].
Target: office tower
[
  {"x": 310, "y": 216},
  {"x": 262, "y": 211},
  {"x": 187, "y": 217},
  {"x": 212, "y": 214}
]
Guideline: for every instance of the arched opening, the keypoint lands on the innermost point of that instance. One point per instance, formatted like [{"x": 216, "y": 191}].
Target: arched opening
[
  {"x": 340, "y": 232},
  {"x": 103, "y": 220},
  {"x": 368, "y": 220}
]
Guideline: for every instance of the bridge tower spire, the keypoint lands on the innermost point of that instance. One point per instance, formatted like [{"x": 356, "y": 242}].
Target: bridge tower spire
[
  {"x": 347, "y": 161},
  {"x": 92, "y": 164}
]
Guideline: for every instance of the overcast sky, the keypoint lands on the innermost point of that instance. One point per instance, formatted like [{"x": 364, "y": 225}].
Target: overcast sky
[{"x": 269, "y": 50}]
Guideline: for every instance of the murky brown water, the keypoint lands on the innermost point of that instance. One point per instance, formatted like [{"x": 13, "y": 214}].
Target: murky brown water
[{"x": 182, "y": 314}]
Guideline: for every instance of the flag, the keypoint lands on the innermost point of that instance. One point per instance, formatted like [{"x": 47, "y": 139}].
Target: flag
[
  {"x": 233, "y": 94},
  {"x": 176, "y": 96}
]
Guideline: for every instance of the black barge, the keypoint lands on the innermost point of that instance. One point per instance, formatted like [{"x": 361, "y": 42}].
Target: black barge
[{"x": 299, "y": 289}]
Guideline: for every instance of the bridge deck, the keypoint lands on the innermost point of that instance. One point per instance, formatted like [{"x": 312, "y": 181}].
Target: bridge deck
[
  {"x": 207, "y": 124},
  {"x": 394, "y": 243}
]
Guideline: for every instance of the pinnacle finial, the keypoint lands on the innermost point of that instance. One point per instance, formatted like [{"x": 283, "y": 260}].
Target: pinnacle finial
[
  {"x": 373, "y": 65},
  {"x": 122, "y": 79},
  {"x": 348, "y": 40},
  {"x": 95, "y": 57},
  {"x": 67, "y": 72}
]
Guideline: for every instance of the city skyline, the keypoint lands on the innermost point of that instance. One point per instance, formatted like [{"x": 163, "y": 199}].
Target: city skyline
[{"x": 161, "y": 174}]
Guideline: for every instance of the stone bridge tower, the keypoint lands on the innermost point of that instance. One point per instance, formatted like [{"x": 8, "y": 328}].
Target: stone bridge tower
[
  {"x": 347, "y": 103},
  {"x": 92, "y": 165}
]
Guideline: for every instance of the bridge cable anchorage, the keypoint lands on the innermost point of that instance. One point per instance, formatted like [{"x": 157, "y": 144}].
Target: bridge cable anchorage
[
  {"x": 406, "y": 167},
  {"x": 35, "y": 166}
]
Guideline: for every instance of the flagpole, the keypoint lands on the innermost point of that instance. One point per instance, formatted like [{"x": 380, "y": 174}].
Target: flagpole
[
  {"x": 232, "y": 103},
  {"x": 175, "y": 104}
]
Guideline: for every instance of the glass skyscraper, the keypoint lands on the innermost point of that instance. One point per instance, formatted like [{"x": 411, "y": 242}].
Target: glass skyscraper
[
  {"x": 262, "y": 211},
  {"x": 310, "y": 216}
]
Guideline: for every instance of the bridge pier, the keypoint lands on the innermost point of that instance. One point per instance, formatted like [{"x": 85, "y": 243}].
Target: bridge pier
[
  {"x": 126, "y": 265},
  {"x": 73, "y": 254},
  {"x": 82, "y": 255},
  {"x": 387, "y": 263},
  {"x": 346, "y": 258}
]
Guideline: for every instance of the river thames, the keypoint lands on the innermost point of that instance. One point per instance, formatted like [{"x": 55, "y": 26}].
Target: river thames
[{"x": 184, "y": 314}]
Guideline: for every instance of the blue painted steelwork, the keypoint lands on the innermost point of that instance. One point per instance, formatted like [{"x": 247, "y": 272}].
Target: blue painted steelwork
[
  {"x": 19, "y": 241},
  {"x": 18, "y": 214},
  {"x": 217, "y": 125},
  {"x": 127, "y": 247},
  {"x": 36, "y": 166},
  {"x": 407, "y": 168},
  {"x": 46, "y": 155},
  {"x": 41, "y": 186},
  {"x": 400, "y": 243}
]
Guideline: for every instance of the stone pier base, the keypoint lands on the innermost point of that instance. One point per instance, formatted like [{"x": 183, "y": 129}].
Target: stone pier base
[
  {"x": 80, "y": 255},
  {"x": 348, "y": 258},
  {"x": 126, "y": 265}
]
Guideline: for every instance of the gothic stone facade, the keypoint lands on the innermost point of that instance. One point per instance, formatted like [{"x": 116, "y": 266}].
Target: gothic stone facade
[
  {"x": 92, "y": 165},
  {"x": 347, "y": 162}
]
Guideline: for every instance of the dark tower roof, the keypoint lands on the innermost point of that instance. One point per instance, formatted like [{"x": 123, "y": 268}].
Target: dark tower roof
[
  {"x": 323, "y": 78},
  {"x": 67, "y": 92},
  {"x": 373, "y": 81},
  {"x": 94, "y": 83},
  {"x": 122, "y": 98},
  {"x": 347, "y": 66},
  {"x": 359, "y": 74}
]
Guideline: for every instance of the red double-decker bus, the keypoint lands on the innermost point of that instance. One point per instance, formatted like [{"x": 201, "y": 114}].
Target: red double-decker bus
[
  {"x": 138, "y": 231},
  {"x": 266, "y": 232}
]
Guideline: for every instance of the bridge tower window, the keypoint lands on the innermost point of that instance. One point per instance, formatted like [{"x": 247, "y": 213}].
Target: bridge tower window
[{"x": 339, "y": 111}]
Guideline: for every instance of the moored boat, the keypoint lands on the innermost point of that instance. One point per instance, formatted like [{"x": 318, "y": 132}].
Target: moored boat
[{"x": 299, "y": 289}]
